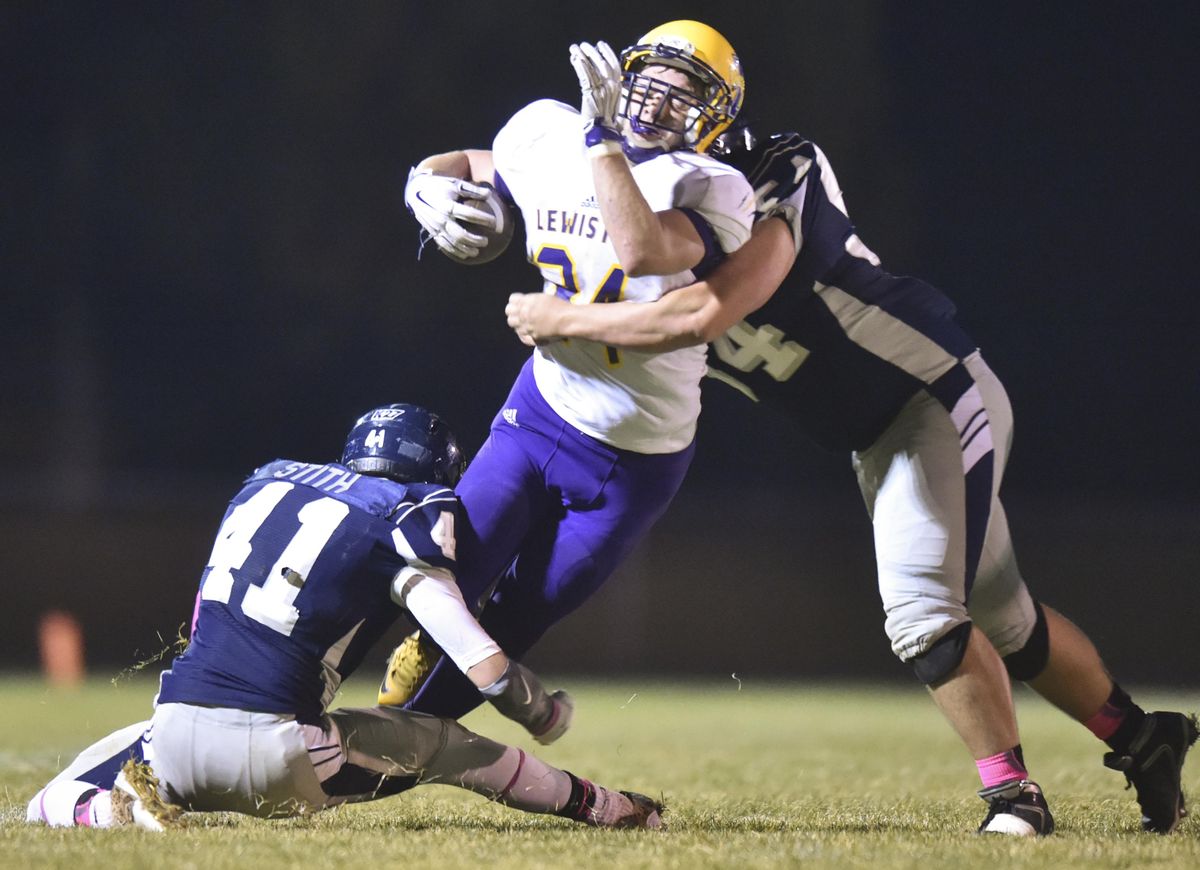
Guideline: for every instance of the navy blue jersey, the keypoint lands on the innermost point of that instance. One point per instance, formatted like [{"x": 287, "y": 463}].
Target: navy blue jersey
[
  {"x": 842, "y": 344},
  {"x": 298, "y": 586}
]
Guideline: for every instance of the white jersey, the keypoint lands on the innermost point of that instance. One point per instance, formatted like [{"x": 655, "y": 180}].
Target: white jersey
[{"x": 637, "y": 401}]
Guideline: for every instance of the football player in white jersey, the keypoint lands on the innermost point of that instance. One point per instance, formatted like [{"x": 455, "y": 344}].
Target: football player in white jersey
[
  {"x": 875, "y": 364},
  {"x": 312, "y": 563},
  {"x": 620, "y": 200}
]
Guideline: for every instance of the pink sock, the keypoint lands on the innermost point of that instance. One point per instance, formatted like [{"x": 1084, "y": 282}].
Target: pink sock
[
  {"x": 96, "y": 811},
  {"x": 1001, "y": 768},
  {"x": 1105, "y": 723}
]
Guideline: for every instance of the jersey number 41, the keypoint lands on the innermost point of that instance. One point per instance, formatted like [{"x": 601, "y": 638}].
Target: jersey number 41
[{"x": 271, "y": 602}]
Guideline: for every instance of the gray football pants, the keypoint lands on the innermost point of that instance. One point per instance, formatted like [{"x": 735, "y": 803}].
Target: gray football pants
[{"x": 267, "y": 764}]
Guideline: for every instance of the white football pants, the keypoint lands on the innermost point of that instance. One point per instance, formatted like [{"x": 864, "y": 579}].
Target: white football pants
[{"x": 942, "y": 544}]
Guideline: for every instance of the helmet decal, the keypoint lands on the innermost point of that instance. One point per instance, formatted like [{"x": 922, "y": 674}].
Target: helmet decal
[{"x": 405, "y": 443}]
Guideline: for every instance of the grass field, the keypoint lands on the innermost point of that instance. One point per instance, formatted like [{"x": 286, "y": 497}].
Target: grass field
[{"x": 754, "y": 776}]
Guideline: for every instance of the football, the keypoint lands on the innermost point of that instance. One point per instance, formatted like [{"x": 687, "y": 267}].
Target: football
[{"x": 498, "y": 238}]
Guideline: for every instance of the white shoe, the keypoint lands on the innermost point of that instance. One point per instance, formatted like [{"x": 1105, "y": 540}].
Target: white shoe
[
  {"x": 136, "y": 800},
  {"x": 1016, "y": 809}
]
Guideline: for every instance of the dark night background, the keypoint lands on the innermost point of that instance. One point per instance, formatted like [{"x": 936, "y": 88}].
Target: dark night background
[{"x": 207, "y": 264}]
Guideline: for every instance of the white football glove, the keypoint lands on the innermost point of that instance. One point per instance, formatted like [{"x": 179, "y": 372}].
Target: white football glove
[
  {"x": 599, "y": 73},
  {"x": 442, "y": 205}
]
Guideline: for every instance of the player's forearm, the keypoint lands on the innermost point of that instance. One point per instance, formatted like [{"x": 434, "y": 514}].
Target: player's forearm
[
  {"x": 676, "y": 320},
  {"x": 488, "y": 671},
  {"x": 695, "y": 314},
  {"x": 471, "y": 163},
  {"x": 643, "y": 242},
  {"x": 436, "y": 603}
]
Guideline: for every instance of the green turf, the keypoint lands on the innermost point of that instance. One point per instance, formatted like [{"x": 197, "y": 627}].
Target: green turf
[{"x": 754, "y": 776}]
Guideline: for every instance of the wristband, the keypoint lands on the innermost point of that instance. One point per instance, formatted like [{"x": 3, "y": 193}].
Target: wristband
[{"x": 601, "y": 140}]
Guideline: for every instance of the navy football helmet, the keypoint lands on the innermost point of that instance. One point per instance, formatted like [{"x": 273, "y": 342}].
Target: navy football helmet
[
  {"x": 404, "y": 443},
  {"x": 775, "y": 166}
]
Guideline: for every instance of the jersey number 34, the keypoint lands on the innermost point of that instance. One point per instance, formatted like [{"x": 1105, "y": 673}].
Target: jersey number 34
[{"x": 610, "y": 289}]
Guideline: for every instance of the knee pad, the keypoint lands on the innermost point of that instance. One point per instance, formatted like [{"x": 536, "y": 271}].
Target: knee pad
[
  {"x": 941, "y": 659},
  {"x": 1030, "y": 660}
]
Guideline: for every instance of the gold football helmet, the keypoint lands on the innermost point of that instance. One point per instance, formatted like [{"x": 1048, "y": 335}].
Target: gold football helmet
[{"x": 708, "y": 59}]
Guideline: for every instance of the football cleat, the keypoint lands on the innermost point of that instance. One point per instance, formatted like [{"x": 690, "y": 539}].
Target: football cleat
[
  {"x": 605, "y": 808},
  {"x": 1154, "y": 767},
  {"x": 644, "y": 812},
  {"x": 1017, "y": 809},
  {"x": 136, "y": 800},
  {"x": 408, "y": 666}
]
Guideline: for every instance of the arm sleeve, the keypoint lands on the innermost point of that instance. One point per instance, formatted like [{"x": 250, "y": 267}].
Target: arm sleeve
[
  {"x": 425, "y": 587},
  {"x": 435, "y": 602}
]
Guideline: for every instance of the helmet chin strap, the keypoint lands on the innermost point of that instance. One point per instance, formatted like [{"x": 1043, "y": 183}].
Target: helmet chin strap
[
  {"x": 639, "y": 150},
  {"x": 637, "y": 154},
  {"x": 641, "y": 129}
]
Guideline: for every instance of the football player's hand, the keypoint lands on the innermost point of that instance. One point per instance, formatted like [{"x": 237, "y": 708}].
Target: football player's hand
[
  {"x": 599, "y": 74},
  {"x": 533, "y": 316},
  {"x": 563, "y": 710},
  {"x": 518, "y": 695},
  {"x": 443, "y": 206}
]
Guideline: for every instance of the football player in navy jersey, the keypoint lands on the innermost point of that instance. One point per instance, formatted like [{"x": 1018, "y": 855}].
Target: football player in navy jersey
[
  {"x": 804, "y": 317},
  {"x": 312, "y": 563}
]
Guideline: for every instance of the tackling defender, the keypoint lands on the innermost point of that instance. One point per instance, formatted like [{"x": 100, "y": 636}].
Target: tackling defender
[
  {"x": 876, "y": 365},
  {"x": 311, "y": 565},
  {"x": 620, "y": 201}
]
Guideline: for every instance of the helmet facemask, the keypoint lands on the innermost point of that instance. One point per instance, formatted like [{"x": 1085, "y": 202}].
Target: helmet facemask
[{"x": 641, "y": 90}]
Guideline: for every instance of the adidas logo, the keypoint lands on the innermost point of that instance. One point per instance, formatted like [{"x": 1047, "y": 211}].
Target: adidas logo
[
  {"x": 510, "y": 417},
  {"x": 590, "y": 202}
]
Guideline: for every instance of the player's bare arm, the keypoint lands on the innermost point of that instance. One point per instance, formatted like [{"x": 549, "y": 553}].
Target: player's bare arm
[
  {"x": 647, "y": 242},
  {"x": 695, "y": 314},
  {"x": 471, "y": 164}
]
